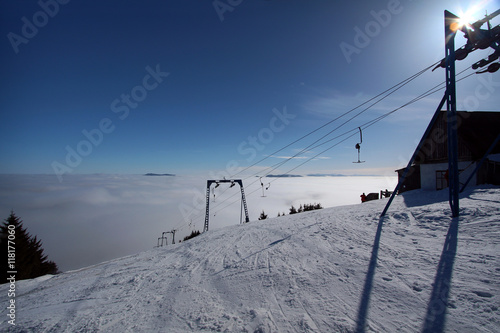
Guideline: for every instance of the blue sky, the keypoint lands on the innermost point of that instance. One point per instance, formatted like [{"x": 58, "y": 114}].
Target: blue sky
[{"x": 183, "y": 86}]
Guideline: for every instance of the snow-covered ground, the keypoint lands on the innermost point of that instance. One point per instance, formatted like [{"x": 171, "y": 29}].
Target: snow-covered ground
[{"x": 340, "y": 269}]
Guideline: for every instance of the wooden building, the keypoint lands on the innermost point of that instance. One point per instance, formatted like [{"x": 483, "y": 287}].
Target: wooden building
[{"x": 476, "y": 133}]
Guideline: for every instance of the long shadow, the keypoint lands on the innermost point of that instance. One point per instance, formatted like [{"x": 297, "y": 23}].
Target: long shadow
[
  {"x": 494, "y": 201},
  {"x": 415, "y": 198},
  {"x": 435, "y": 317},
  {"x": 367, "y": 288}
]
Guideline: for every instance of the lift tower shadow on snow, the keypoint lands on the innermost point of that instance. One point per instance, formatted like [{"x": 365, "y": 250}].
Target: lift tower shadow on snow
[
  {"x": 367, "y": 288},
  {"x": 435, "y": 317},
  {"x": 217, "y": 182}
]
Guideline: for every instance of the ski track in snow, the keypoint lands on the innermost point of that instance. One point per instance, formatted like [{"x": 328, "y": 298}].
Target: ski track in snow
[{"x": 341, "y": 269}]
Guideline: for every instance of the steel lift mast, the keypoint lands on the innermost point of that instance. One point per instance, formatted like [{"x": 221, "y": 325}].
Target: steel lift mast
[
  {"x": 217, "y": 182},
  {"x": 451, "y": 109},
  {"x": 477, "y": 38}
]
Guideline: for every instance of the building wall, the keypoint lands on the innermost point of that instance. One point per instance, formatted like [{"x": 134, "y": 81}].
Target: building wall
[
  {"x": 412, "y": 179},
  {"x": 489, "y": 173},
  {"x": 428, "y": 174}
]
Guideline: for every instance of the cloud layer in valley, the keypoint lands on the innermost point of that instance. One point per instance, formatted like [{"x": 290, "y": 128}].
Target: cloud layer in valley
[{"x": 88, "y": 219}]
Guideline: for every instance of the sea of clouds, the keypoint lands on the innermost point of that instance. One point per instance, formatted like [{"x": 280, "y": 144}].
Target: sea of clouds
[{"x": 88, "y": 219}]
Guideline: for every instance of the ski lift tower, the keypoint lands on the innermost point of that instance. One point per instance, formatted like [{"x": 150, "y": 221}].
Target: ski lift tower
[
  {"x": 477, "y": 38},
  {"x": 450, "y": 22},
  {"x": 217, "y": 182}
]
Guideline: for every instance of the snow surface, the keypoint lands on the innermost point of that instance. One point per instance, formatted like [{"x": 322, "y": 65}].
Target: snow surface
[{"x": 340, "y": 269}]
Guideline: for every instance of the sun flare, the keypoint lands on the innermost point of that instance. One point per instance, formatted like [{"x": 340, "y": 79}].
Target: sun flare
[{"x": 472, "y": 14}]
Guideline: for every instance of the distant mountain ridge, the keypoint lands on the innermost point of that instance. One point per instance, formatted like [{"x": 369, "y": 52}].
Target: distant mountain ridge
[
  {"x": 160, "y": 174},
  {"x": 318, "y": 175},
  {"x": 326, "y": 175}
]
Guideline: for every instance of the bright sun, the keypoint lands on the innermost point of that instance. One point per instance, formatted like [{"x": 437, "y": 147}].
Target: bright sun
[
  {"x": 469, "y": 16},
  {"x": 465, "y": 19}
]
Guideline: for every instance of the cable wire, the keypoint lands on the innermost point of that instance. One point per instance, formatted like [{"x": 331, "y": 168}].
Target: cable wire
[
  {"x": 181, "y": 225},
  {"x": 354, "y": 130},
  {"x": 404, "y": 82}
]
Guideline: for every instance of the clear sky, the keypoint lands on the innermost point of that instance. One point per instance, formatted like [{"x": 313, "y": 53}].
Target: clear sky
[{"x": 185, "y": 86}]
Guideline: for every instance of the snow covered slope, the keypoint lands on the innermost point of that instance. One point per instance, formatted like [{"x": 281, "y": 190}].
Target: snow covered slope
[{"x": 340, "y": 269}]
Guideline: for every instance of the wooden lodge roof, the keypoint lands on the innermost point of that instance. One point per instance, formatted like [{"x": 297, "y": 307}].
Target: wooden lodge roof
[{"x": 476, "y": 132}]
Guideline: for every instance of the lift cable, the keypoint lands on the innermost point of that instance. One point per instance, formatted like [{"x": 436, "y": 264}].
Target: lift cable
[
  {"x": 387, "y": 93},
  {"x": 376, "y": 120},
  {"x": 310, "y": 147},
  {"x": 353, "y": 132},
  {"x": 181, "y": 224},
  {"x": 429, "y": 92},
  {"x": 394, "y": 87}
]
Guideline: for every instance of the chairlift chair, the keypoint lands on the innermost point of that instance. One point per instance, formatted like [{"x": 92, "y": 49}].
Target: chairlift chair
[
  {"x": 267, "y": 187},
  {"x": 358, "y": 146}
]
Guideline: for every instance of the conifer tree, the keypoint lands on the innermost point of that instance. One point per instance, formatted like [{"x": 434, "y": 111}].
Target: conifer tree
[
  {"x": 30, "y": 261},
  {"x": 193, "y": 234}
]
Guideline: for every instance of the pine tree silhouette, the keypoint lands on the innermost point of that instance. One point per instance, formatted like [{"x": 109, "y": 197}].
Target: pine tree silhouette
[
  {"x": 192, "y": 235},
  {"x": 30, "y": 261}
]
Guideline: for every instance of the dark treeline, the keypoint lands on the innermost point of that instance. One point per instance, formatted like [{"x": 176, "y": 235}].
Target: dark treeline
[
  {"x": 192, "y": 235},
  {"x": 293, "y": 210},
  {"x": 22, "y": 252}
]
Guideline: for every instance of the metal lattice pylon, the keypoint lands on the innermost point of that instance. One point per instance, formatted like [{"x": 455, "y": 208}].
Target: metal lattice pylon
[
  {"x": 476, "y": 39},
  {"x": 243, "y": 199}
]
